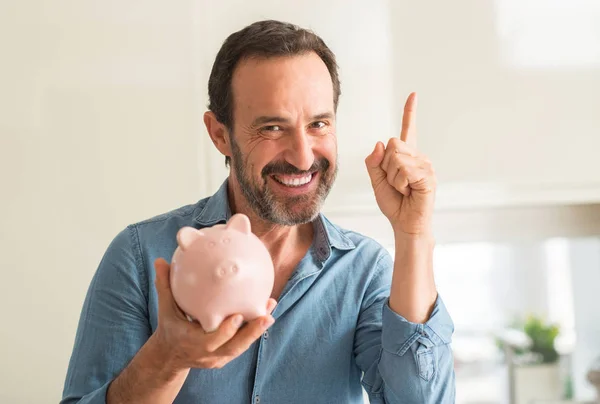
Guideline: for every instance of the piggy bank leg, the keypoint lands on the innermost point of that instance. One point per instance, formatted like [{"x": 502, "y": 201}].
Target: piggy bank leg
[
  {"x": 256, "y": 312},
  {"x": 211, "y": 323}
]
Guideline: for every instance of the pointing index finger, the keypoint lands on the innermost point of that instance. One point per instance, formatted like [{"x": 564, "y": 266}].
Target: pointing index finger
[{"x": 409, "y": 121}]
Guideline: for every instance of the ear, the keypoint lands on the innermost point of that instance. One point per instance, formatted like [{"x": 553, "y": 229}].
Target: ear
[
  {"x": 218, "y": 133},
  {"x": 186, "y": 236},
  {"x": 239, "y": 222}
]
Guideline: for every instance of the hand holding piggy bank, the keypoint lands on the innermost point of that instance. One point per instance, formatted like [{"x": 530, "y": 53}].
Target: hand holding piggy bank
[{"x": 220, "y": 271}]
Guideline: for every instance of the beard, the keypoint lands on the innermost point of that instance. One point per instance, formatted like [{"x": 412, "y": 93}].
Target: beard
[{"x": 284, "y": 211}]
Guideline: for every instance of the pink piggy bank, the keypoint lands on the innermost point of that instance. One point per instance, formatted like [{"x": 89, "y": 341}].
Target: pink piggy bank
[{"x": 220, "y": 271}]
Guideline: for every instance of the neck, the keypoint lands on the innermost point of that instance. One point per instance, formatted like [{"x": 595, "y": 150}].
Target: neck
[{"x": 279, "y": 240}]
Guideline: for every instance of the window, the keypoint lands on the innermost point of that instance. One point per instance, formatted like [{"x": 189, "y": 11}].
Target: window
[
  {"x": 549, "y": 33},
  {"x": 486, "y": 286}
]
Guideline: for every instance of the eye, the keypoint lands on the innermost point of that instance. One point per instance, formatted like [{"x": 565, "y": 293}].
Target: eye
[
  {"x": 271, "y": 128},
  {"x": 271, "y": 131},
  {"x": 318, "y": 125}
]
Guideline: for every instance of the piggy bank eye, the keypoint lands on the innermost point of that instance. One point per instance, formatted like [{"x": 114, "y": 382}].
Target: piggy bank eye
[
  {"x": 234, "y": 269},
  {"x": 226, "y": 240},
  {"x": 211, "y": 244},
  {"x": 220, "y": 272}
]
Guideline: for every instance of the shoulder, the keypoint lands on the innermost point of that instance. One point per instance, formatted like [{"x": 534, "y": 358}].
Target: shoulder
[
  {"x": 184, "y": 213},
  {"x": 154, "y": 236}
]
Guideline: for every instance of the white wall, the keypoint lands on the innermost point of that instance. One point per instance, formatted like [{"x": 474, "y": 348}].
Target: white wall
[
  {"x": 474, "y": 64},
  {"x": 98, "y": 128},
  {"x": 509, "y": 98},
  {"x": 101, "y": 126}
]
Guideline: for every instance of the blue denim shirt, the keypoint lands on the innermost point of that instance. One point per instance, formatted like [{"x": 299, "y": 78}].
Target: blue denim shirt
[{"x": 334, "y": 330}]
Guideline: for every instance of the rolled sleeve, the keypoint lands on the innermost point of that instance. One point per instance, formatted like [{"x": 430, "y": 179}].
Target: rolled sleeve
[
  {"x": 403, "y": 362},
  {"x": 399, "y": 334},
  {"x": 416, "y": 362}
]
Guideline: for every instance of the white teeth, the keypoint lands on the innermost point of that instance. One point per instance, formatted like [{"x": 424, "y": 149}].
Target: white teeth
[{"x": 294, "y": 182}]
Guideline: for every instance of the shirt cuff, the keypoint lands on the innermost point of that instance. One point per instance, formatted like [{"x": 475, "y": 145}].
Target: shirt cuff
[
  {"x": 398, "y": 334},
  {"x": 97, "y": 396}
]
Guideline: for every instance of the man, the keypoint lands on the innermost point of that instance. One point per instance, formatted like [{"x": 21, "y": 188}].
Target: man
[{"x": 347, "y": 314}]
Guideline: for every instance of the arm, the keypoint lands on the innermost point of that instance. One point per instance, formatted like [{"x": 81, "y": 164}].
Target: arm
[
  {"x": 404, "y": 183},
  {"x": 416, "y": 361},
  {"x": 157, "y": 373},
  {"x": 148, "y": 378},
  {"x": 116, "y": 357},
  {"x": 402, "y": 361},
  {"x": 413, "y": 292},
  {"x": 113, "y": 325}
]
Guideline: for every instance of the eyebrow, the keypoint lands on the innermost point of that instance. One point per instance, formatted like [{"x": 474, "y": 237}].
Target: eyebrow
[
  {"x": 261, "y": 120},
  {"x": 324, "y": 115}
]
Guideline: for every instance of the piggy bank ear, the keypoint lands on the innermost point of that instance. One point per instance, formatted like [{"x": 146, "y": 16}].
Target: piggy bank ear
[
  {"x": 186, "y": 236},
  {"x": 239, "y": 222}
]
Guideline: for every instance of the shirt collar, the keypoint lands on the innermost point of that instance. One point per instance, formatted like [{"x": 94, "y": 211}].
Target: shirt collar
[
  {"x": 216, "y": 209},
  {"x": 327, "y": 235}
]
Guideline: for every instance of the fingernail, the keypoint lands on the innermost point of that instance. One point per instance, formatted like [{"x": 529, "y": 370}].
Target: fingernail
[{"x": 237, "y": 320}]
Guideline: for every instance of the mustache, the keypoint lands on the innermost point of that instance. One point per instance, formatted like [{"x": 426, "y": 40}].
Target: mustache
[{"x": 285, "y": 168}]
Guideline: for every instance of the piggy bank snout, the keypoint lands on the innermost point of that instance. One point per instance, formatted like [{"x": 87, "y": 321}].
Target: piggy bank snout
[{"x": 227, "y": 269}]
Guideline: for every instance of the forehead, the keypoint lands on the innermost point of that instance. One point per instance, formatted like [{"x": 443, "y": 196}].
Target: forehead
[{"x": 282, "y": 85}]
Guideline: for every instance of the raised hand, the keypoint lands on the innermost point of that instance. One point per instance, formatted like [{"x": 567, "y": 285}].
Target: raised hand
[{"x": 403, "y": 179}]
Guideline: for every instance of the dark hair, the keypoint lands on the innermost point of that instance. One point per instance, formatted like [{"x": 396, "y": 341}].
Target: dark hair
[{"x": 265, "y": 39}]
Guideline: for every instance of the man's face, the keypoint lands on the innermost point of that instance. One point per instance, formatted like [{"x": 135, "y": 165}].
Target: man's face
[{"x": 284, "y": 146}]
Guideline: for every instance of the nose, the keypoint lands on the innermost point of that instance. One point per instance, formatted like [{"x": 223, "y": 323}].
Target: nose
[
  {"x": 299, "y": 152},
  {"x": 228, "y": 269}
]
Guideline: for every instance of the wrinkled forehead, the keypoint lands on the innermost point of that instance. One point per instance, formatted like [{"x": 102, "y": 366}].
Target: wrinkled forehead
[{"x": 296, "y": 85}]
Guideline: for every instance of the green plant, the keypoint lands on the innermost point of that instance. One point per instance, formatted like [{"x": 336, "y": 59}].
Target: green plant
[{"x": 542, "y": 338}]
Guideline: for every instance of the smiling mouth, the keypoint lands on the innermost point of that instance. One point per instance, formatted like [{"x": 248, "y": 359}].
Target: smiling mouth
[{"x": 293, "y": 181}]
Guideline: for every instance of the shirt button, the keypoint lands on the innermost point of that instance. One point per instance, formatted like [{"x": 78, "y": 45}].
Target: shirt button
[
  {"x": 266, "y": 334},
  {"x": 257, "y": 399}
]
